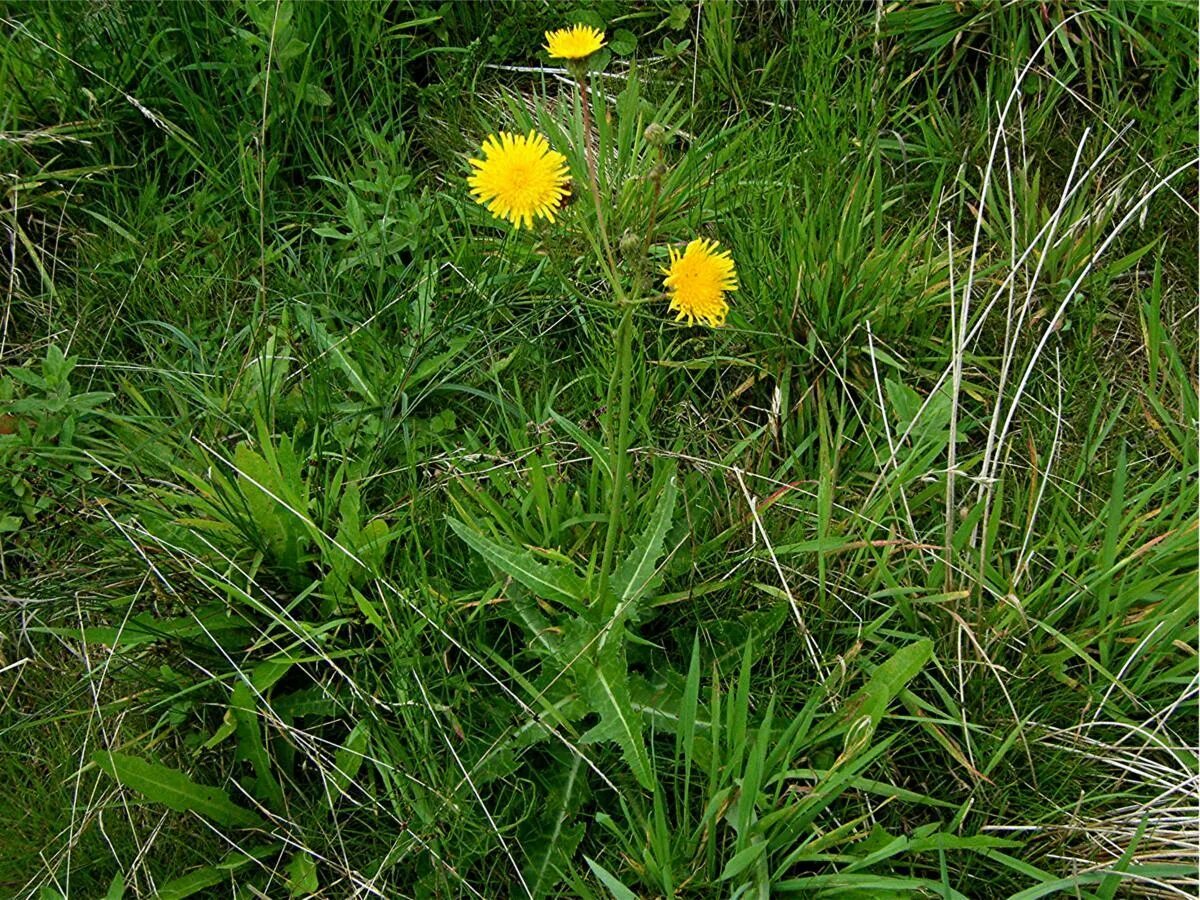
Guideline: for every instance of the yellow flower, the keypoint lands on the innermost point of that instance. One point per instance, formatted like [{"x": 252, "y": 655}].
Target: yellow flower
[
  {"x": 697, "y": 281},
  {"x": 519, "y": 178},
  {"x": 574, "y": 43}
]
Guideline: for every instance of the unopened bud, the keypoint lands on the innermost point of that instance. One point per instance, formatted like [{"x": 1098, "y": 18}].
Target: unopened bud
[
  {"x": 630, "y": 244},
  {"x": 655, "y": 135}
]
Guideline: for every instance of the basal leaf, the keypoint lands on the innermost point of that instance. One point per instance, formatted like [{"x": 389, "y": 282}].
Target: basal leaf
[
  {"x": 207, "y": 876},
  {"x": 605, "y": 686},
  {"x": 251, "y": 747},
  {"x": 619, "y": 890},
  {"x": 553, "y": 582},
  {"x": 349, "y": 758},
  {"x": 302, "y": 875},
  {"x": 552, "y": 845},
  {"x": 174, "y": 789}
]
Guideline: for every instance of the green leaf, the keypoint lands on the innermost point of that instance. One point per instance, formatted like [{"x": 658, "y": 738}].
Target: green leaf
[
  {"x": 636, "y": 573},
  {"x": 588, "y": 17},
  {"x": 191, "y": 883},
  {"x": 311, "y": 701},
  {"x": 349, "y": 758},
  {"x": 302, "y": 875},
  {"x": 605, "y": 686},
  {"x": 250, "y": 745},
  {"x": 278, "y": 527},
  {"x": 552, "y": 582},
  {"x": 623, "y": 42},
  {"x": 678, "y": 17},
  {"x": 116, "y": 888},
  {"x": 863, "y": 885},
  {"x": 594, "y": 448},
  {"x": 437, "y": 364},
  {"x": 144, "y": 628},
  {"x": 864, "y": 711},
  {"x": 619, "y": 891},
  {"x": 1072, "y": 883},
  {"x": 335, "y": 349},
  {"x": 174, "y": 789},
  {"x": 743, "y": 859},
  {"x": 269, "y": 671},
  {"x": 205, "y": 877},
  {"x": 367, "y": 608},
  {"x": 552, "y": 846},
  {"x": 315, "y": 94}
]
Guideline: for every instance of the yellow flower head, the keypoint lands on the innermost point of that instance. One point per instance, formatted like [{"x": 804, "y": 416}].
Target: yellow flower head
[
  {"x": 697, "y": 281},
  {"x": 574, "y": 43},
  {"x": 519, "y": 177}
]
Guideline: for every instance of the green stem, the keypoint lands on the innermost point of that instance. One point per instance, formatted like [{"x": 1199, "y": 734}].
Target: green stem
[
  {"x": 590, "y": 154},
  {"x": 622, "y": 372},
  {"x": 620, "y": 455}
]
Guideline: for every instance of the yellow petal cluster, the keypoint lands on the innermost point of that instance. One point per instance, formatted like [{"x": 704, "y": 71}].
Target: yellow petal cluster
[
  {"x": 578, "y": 42},
  {"x": 519, "y": 178},
  {"x": 697, "y": 281}
]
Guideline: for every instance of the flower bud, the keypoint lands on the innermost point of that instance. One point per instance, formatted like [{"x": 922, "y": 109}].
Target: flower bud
[
  {"x": 630, "y": 244},
  {"x": 655, "y": 135}
]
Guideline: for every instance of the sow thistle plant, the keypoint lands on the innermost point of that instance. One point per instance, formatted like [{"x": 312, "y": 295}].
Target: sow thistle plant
[{"x": 521, "y": 179}]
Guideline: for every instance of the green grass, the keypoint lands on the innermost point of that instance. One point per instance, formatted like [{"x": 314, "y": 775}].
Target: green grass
[{"x": 308, "y": 465}]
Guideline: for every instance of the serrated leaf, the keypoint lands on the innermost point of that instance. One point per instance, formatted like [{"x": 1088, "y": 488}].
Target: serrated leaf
[
  {"x": 550, "y": 852},
  {"x": 273, "y": 523},
  {"x": 636, "y": 573},
  {"x": 542, "y": 637},
  {"x": 302, "y": 875},
  {"x": 310, "y": 701},
  {"x": 552, "y": 582},
  {"x": 173, "y": 789},
  {"x": 605, "y": 686},
  {"x": 144, "y": 628},
  {"x": 250, "y": 745}
]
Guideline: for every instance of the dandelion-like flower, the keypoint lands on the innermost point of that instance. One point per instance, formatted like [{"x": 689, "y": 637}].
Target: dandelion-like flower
[
  {"x": 574, "y": 43},
  {"x": 697, "y": 281},
  {"x": 519, "y": 177}
]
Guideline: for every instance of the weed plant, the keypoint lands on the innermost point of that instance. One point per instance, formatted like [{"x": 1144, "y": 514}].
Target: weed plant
[{"x": 356, "y": 543}]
